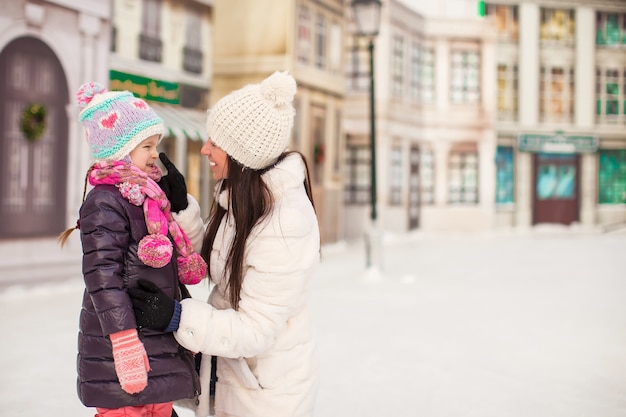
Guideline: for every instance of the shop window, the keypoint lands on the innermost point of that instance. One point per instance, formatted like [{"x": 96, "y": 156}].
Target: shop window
[
  {"x": 507, "y": 92},
  {"x": 610, "y": 28},
  {"x": 357, "y": 178},
  {"x": 504, "y": 175},
  {"x": 557, "y": 25},
  {"x": 396, "y": 177},
  {"x": 465, "y": 84},
  {"x": 612, "y": 176},
  {"x": 463, "y": 172},
  {"x": 506, "y": 19}
]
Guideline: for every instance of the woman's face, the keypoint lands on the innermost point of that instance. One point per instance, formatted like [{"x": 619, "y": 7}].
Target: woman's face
[
  {"x": 145, "y": 154},
  {"x": 218, "y": 159}
]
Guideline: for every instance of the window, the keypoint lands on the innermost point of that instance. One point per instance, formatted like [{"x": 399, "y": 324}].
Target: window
[
  {"x": 612, "y": 176},
  {"x": 192, "y": 52},
  {"x": 320, "y": 41},
  {"x": 610, "y": 96},
  {"x": 357, "y": 185},
  {"x": 463, "y": 182},
  {"x": 335, "y": 46},
  {"x": 507, "y": 92},
  {"x": 427, "y": 78},
  {"x": 610, "y": 28},
  {"x": 427, "y": 170},
  {"x": 150, "y": 46},
  {"x": 304, "y": 35},
  {"x": 504, "y": 175},
  {"x": 415, "y": 72},
  {"x": 506, "y": 20},
  {"x": 465, "y": 77},
  {"x": 556, "y": 95},
  {"x": 557, "y": 25},
  {"x": 358, "y": 70},
  {"x": 395, "y": 176},
  {"x": 397, "y": 66}
]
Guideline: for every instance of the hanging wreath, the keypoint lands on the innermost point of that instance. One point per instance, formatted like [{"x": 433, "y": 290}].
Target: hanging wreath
[{"x": 33, "y": 122}]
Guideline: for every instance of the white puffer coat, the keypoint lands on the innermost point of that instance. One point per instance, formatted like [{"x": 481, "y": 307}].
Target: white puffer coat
[{"x": 267, "y": 359}]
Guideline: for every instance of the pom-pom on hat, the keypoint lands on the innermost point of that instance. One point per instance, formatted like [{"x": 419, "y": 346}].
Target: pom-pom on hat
[
  {"x": 253, "y": 124},
  {"x": 115, "y": 122}
]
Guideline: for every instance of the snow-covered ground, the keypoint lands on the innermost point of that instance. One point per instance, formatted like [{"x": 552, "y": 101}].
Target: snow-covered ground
[{"x": 513, "y": 324}]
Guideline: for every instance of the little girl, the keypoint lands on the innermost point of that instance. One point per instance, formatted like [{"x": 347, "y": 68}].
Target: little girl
[{"x": 127, "y": 233}]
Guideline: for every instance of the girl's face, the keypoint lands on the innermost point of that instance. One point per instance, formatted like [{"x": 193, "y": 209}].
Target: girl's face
[
  {"x": 218, "y": 159},
  {"x": 145, "y": 154}
]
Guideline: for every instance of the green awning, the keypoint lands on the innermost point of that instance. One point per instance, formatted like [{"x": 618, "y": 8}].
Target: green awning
[{"x": 181, "y": 122}]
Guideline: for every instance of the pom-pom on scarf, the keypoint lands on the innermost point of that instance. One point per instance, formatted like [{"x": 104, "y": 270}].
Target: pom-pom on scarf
[{"x": 141, "y": 189}]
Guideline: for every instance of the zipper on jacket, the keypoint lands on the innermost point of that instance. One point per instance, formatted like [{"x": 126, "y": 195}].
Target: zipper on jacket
[{"x": 191, "y": 364}]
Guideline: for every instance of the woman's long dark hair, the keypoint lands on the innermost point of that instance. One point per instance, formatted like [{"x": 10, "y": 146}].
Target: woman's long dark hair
[{"x": 250, "y": 201}]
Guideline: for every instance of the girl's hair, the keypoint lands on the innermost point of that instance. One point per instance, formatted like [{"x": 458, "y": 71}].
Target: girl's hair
[
  {"x": 250, "y": 201},
  {"x": 62, "y": 238}
]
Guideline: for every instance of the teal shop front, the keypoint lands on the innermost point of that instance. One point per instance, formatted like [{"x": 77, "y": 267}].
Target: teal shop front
[{"x": 556, "y": 175}]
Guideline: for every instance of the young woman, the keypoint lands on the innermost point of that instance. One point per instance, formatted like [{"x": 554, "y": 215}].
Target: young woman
[{"x": 262, "y": 245}]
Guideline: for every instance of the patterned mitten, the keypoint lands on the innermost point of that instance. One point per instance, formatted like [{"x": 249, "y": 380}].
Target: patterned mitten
[{"x": 131, "y": 360}]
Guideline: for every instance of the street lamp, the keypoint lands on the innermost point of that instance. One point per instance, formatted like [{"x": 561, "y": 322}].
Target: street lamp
[{"x": 367, "y": 17}]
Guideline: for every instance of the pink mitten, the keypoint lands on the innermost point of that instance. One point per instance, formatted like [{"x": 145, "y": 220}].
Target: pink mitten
[{"x": 131, "y": 361}]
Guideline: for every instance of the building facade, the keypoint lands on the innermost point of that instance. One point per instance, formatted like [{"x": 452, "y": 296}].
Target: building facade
[
  {"x": 304, "y": 37},
  {"x": 47, "y": 50},
  {"x": 435, "y": 133},
  {"x": 161, "y": 50},
  {"x": 561, "y": 73}
]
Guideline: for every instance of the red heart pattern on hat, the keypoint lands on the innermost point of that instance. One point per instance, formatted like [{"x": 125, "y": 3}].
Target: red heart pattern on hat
[{"x": 109, "y": 121}]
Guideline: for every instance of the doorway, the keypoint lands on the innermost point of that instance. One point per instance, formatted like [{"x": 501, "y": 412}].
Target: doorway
[
  {"x": 556, "y": 188},
  {"x": 33, "y": 154}
]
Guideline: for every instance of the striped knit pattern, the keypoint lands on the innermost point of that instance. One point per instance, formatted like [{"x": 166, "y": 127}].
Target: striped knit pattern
[{"x": 131, "y": 361}]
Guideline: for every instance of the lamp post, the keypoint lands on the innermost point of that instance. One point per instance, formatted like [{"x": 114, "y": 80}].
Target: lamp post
[{"x": 367, "y": 17}]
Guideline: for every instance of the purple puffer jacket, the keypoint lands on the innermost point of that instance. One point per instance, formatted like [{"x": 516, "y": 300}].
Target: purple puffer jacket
[{"x": 111, "y": 228}]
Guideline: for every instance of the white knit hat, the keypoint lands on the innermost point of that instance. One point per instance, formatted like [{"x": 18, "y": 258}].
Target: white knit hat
[{"x": 253, "y": 124}]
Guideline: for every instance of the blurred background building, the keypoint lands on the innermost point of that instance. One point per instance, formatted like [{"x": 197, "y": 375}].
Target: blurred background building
[{"x": 501, "y": 114}]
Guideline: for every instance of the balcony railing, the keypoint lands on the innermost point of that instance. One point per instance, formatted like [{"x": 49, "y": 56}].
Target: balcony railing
[
  {"x": 150, "y": 49},
  {"x": 192, "y": 60}
]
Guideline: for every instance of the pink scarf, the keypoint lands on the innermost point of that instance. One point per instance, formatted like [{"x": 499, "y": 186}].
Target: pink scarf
[{"x": 155, "y": 249}]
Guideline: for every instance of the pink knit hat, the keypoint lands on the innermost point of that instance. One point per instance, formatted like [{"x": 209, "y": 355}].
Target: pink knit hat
[{"x": 115, "y": 121}]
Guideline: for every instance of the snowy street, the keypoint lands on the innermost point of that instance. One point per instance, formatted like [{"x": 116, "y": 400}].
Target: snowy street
[{"x": 505, "y": 324}]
